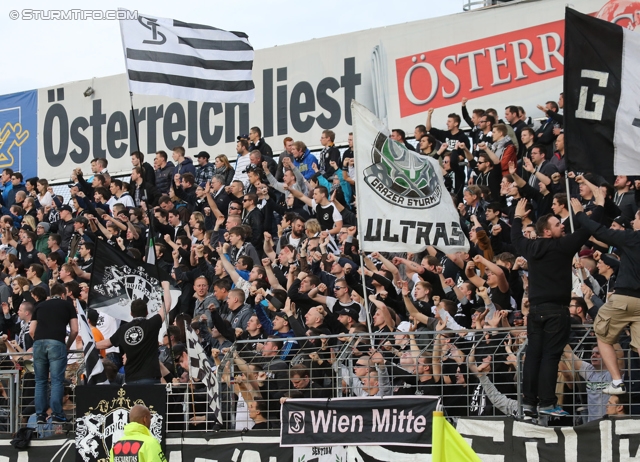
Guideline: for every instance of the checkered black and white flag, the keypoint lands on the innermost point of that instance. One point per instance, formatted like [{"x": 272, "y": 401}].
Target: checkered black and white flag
[{"x": 200, "y": 370}]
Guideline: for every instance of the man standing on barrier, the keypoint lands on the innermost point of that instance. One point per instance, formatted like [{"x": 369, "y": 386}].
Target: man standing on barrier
[
  {"x": 550, "y": 258},
  {"x": 138, "y": 339},
  {"x": 48, "y": 329},
  {"x": 623, "y": 306}
]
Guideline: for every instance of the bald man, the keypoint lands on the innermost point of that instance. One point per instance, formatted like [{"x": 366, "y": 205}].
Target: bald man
[{"x": 137, "y": 443}]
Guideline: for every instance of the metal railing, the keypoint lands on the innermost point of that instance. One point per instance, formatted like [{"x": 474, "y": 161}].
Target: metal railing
[{"x": 446, "y": 363}]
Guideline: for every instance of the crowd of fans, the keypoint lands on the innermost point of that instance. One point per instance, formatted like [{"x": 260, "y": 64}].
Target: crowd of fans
[{"x": 265, "y": 253}]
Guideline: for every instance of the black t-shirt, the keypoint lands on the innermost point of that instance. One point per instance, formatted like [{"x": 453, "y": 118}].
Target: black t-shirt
[
  {"x": 53, "y": 317},
  {"x": 28, "y": 257},
  {"x": 500, "y": 298},
  {"x": 327, "y": 215},
  {"x": 138, "y": 339}
]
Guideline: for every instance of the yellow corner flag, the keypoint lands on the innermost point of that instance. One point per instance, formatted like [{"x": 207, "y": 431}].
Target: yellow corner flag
[{"x": 447, "y": 445}]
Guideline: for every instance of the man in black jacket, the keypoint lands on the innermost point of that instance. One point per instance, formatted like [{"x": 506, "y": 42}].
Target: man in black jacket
[
  {"x": 545, "y": 134},
  {"x": 149, "y": 175},
  {"x": 328, "y": 154},
  {"x": 254, "y": 219},
  {"x": 185, "y": 189},
  {"x": 512, "y": 116},
  {"x": 623, "y": 306},
  {"x": 64, "y": 227},
  {"x": 258, "y": 143},
  {"x": 140, "y": 190},
  {"x": 451, "y": 135},
  {"x": 549, "y": 322},
  {"x": 164, "y": 172}
]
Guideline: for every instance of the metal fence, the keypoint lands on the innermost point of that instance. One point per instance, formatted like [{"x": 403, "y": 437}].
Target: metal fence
[{"x": 477, "y": 373}]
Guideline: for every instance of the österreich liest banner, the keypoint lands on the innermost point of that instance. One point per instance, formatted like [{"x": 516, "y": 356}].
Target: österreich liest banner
[
  {"x": 358, "y": 421},
  {"x": 602, "y": 90},
  {"x": 403, "y": 205}
]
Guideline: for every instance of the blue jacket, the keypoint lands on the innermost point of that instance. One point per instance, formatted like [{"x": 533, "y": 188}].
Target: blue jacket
[
  {"x": 186, "y": 166},
  {"x": 11, "y": 195},
  {"x": 8, "y": 186},
  {"x": 305, "y": 164},
  {"x": 288, "y": 347}
]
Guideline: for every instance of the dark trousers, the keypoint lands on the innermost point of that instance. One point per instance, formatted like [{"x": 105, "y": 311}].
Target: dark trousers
[{"x": 548, "y": 329}]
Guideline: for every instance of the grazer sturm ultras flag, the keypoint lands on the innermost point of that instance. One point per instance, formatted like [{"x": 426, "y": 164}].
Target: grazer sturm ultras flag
[
  {"x": 601, "y": 96},
  {"x": 403, "y": 205},
  {"x": 117, "y": 280},
  {"x": 187, "y": 61}
]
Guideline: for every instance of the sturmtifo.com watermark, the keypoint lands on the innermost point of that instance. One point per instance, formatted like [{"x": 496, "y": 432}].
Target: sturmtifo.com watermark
[{"x": 71, "y": 15}]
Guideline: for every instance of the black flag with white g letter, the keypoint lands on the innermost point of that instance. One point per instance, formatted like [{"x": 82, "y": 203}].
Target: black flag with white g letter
[{"x": 602, "y": 96}]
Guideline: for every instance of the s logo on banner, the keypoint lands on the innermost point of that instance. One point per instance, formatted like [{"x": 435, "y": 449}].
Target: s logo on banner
[
  {"x": 296, "y": 422},
  {"x": 152, "y": 25}
]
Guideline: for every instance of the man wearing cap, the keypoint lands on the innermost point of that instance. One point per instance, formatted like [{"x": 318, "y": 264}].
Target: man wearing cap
[
  {"x": 204, "y": 169},
  {"x": 278, "y": 327},
  {"x": 258, "y": 143},
  {"x": 42, "y": 233},
  {"x": 242, "y": 162},
  {"x": 64, "y": 227},
  {"x": 348, "y": 316},
  {"x": 608, "y": 267}
]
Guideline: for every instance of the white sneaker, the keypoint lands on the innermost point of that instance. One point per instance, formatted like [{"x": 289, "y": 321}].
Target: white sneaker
[{"x": 612, "y": 389}]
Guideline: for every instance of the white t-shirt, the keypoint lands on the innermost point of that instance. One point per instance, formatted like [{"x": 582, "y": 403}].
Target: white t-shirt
[
  {"x": 108, "y": 325},
  {"x": 242, "y": 415},
  {"x": 45, "y": 200}
]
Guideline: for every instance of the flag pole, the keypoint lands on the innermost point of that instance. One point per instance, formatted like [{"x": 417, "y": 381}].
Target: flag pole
[
  {"x": 135, "y": 122},
  {"x": 566, "y": 179},
  {"x": 360, "y": 228}
]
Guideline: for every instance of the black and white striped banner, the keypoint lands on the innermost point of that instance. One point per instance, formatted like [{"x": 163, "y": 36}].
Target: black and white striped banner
[
  {"x": 602, "y": 96},
  {"x": 187, "y": 61}
]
